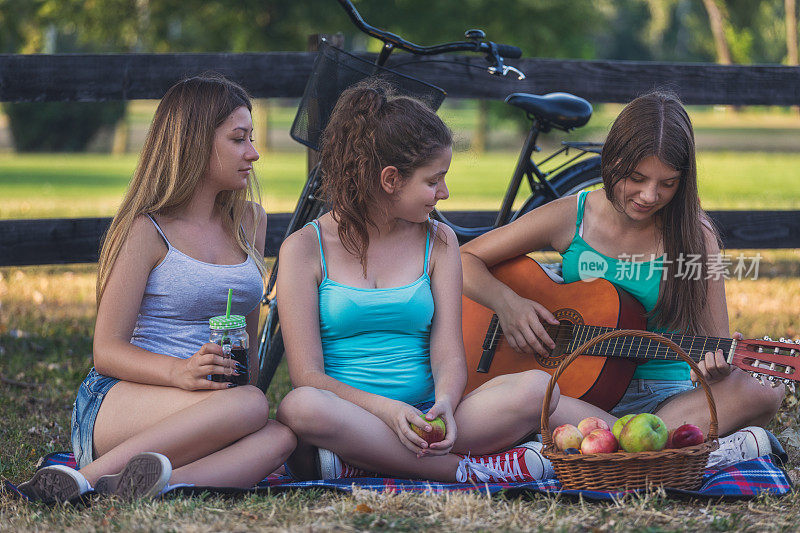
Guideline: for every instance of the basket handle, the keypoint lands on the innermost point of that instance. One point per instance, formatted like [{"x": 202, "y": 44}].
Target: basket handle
[{"x": 547, "y": 437}]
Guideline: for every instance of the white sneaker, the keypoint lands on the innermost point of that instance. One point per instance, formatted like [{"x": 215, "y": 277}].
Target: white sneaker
[
  {"x": 144, "y": 476},
  {"x": 743, "y": 445},
  {"x": 523, "y": 463},
  {"x": 55, "y": 484},
  {"x": 332, "y": 467}
]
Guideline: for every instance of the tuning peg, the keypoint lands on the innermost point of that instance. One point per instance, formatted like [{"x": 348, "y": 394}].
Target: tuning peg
[
  {"x": 766, "y": 338},
  {"x": 760, "y": 379},
  {"x": 791, "y": 386},
  {"x": 783, "y": 339}
]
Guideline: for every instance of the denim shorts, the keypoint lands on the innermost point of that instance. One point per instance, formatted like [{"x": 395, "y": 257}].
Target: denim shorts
[
  {"x": 424, "y": 406},
  {"x": 91, "y": 393},
  {"x": 647, "y": 395}
]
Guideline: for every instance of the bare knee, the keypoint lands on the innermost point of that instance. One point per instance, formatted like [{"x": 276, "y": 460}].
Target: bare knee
[
  {"x": 306, "y": 410},
  {"x": 530, "y": 389},
  {"x": 764, "y": 400},
  {"x": 249, "y": 404},
  {"x": 282, "y": 438}
]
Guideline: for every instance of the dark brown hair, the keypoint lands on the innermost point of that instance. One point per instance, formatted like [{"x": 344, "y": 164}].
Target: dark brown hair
[
  {"x": 657, "y": 124},
  {"x": 373, "y": 127}
]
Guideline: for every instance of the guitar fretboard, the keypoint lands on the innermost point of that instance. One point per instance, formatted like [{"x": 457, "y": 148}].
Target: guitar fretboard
[{"x": 568, "y": 337}]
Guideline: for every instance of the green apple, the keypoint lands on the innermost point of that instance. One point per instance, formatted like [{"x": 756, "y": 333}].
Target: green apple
[
  {"x": 643, "y": 432},
  {"x": 619, "y": 424},
  {"x": 437, "y": 432}
]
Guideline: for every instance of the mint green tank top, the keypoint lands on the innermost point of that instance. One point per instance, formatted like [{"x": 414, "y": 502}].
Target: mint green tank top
[
  {"x": 378, "y": 340},
  {"x": 642, "y": 279}
]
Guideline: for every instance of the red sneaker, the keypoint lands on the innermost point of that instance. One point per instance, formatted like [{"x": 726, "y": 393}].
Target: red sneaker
[{"x": 523, "y": 463}]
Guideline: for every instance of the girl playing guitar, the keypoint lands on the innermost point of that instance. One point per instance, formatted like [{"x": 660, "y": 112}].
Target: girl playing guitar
[{"x": 639, "y": 232}]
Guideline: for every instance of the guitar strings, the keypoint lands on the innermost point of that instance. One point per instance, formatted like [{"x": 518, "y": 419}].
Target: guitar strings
[{"x": 624, "y": 345}]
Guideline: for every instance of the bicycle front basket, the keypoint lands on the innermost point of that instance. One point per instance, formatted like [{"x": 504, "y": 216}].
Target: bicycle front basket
[{"x": 334, "y": 71}]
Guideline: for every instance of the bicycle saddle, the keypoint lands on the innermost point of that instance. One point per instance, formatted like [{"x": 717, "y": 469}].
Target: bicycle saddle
[{"x": 562, "y": 110}]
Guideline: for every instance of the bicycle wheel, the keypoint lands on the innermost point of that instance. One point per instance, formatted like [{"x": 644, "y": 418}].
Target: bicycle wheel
[
  {"x": 270, "y": 348},
  {"x": 584, "y": 175}
]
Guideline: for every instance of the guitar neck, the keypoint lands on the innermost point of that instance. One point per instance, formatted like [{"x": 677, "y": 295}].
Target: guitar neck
[{"x": 572, "y": 336}]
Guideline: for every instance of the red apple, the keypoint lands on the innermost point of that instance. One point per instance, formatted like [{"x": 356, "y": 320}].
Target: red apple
[
  {"x": 567, "y": 436},
  {"x": 669, "y": 444},
  {"x": 599, "y": 441},
  {"x": 687, "y": 435},
  {"x": 587, "y": 425},
  {"x": 437, "y": 432}
]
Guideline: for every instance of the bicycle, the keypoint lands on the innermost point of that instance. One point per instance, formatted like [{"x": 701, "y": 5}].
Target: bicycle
[{"x": 335, "y": 70}]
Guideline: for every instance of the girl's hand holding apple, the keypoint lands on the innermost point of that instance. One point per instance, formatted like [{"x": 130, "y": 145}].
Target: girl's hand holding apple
[
  {"x": 443, "y": 411},
  {"x": 400, "y": 416}
]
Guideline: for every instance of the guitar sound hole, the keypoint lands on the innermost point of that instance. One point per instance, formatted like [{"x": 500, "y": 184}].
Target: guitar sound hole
[{"x": 562, "y": 335}]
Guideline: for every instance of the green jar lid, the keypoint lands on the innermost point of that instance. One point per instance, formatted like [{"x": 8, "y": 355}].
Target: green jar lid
[{"x": 223, "y": 322}]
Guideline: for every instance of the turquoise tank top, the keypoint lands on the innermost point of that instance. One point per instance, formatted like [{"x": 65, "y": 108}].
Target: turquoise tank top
[
  {"x": 642, "y": 279},
  {"x": 378, "y": 340}
]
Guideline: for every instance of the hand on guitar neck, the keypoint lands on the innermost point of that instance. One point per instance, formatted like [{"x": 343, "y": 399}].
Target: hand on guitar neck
[{"x": 714, "y": 365}]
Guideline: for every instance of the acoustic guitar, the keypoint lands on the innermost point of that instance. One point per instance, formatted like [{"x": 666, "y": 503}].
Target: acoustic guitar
[{"x": 584, "y": 310}]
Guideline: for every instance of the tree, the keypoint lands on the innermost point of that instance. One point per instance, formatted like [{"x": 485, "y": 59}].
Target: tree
[
  {"x": 718, "y": 21},
  {"x": 791, "y": 32}
]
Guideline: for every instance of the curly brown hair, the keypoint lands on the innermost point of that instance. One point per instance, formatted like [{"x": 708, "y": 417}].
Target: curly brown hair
[{"x": 373, "y": 127}]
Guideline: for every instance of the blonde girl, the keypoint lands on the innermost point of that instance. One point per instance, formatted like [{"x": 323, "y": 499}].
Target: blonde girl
[{"x": 187, "y": 230}]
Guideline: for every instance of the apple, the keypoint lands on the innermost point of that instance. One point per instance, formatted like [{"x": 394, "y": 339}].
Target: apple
[
  {"x": 669, "y": 445},
  {"x": 687, "y": 435},
  {"x": 437, "y": 432},
  {"x": 619, "y": 424},
  {"x": 587, "y": 425},
  {"x": 567, "y": 436},
  {"x": 599, "y": 441},
  {"x": 643, "y": 432}
]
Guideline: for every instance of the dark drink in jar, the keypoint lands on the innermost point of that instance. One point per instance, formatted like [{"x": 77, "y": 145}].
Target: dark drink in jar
[{"x": 229, "y": 332}]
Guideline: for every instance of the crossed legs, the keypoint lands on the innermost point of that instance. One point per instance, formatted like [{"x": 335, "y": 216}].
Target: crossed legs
[
  {"x": 220, "y": 438},
  {"x": 490, "y": 419}
]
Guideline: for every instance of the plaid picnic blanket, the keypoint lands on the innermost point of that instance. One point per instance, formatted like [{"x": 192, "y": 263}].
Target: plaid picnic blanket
[{"x": 744, "y": 480}]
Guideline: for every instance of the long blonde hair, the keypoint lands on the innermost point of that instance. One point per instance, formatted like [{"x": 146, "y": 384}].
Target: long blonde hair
[{"x": 172, "y": 163}]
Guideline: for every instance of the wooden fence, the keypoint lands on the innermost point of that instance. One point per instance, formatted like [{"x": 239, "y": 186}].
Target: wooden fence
[{"x": 88, "y": 77}]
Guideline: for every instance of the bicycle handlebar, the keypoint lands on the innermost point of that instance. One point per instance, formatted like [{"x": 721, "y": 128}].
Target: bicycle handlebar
[{"x": 488, "y": 47}]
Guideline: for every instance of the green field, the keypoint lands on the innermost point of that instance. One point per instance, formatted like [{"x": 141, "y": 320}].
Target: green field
[
  {"x": 88, "y": 185},
  {"x": 47, "y": 316}
]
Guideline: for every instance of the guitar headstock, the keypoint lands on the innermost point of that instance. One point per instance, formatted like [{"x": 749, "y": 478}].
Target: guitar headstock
[{"x": 775, "y": 360}]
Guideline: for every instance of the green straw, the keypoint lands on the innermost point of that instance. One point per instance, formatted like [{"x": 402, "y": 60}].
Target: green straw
[{"x": 228, "y": 310}]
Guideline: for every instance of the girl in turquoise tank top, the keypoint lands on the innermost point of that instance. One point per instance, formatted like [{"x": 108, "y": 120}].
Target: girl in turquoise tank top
[
  {"x": 149, "y": 413},
  {"x": 370, "y": 304},
  {"x": 639, "y": 232}
]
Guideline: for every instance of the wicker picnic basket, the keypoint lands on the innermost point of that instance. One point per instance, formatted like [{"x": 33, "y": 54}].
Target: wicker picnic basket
[{"x": 675, "y": 468}]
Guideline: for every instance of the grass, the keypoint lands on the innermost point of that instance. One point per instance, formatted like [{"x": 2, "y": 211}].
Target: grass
[
  {"x": 46, "y": 321},
  {"x": 90, "y": 185},
  {"x": 47, "y": 317}
]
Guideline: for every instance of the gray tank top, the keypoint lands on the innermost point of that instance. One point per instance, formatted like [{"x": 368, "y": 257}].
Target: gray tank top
[{"x": 182, "y": 293}]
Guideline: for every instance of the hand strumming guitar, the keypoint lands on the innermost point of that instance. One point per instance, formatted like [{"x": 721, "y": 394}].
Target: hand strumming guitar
[{"x": 521, "y": 320}]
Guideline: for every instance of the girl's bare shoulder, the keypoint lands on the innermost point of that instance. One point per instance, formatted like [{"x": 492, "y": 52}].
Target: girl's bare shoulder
[{"x": 144, "y": 242}]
